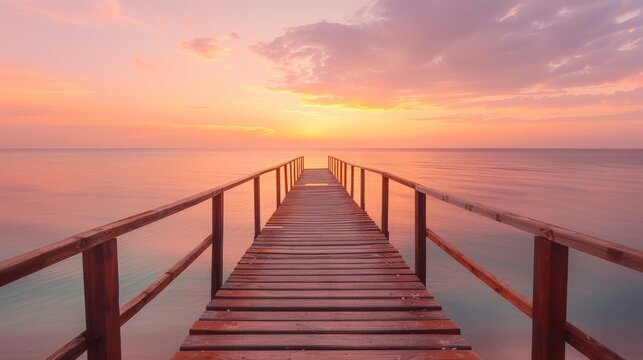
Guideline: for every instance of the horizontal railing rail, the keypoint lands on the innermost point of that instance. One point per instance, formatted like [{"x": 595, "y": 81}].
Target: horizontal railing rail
[
  {"x": 98, "y": 246},
  {"x": 550, "y": 329}
]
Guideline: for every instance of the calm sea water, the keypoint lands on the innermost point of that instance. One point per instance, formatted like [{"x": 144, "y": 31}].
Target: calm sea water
[{"x": 46, "y": 195}]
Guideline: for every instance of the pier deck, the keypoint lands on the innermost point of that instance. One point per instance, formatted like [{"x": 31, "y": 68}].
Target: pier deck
[{"x": 322, "y": 281}]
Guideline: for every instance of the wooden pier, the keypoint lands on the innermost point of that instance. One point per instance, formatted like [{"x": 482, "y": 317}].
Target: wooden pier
[{"x": 321, "y": 277}]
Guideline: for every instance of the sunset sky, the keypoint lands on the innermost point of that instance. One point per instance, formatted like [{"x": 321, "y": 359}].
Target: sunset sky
[{"x": 293, "y": 73}]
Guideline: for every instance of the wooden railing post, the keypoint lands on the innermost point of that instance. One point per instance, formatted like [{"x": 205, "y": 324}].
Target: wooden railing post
[
  {"x": 345, "y": 175},
  {"x": 278, "y": 182},
  {"x": 352, "y": 181},
  {"x": 550, "y": 300},
  {"x": 362, "y": 185},
  {"x": 217, "y": 244},
  {"x": 292, "y": 175},
  {"x": 257, "y": 202},
  {"x": 420, "y": 236},
  {"x": 102, "y": 316},
  {"x": 385, "y": 205},
  {"x": 285, "y": 180}
]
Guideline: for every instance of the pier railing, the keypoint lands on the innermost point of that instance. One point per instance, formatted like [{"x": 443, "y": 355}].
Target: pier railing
[
  {"x": 548, "y": 309},
  {"x": 101, "y": 338}
]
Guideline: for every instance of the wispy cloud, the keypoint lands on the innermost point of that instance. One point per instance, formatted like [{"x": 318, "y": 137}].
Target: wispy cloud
[
  {"x": 259, "y": 130},
  {"x": 21, "y": 79},
  {"x": 209, "y": 48},
  {"x": 144, "y": 64},
  {"x": 486, "y": 118},
  {"x": 88, "y": 12}
]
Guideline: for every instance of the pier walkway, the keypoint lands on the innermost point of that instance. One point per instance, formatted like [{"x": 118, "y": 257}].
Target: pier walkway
[{"x": 322, "y": 281}]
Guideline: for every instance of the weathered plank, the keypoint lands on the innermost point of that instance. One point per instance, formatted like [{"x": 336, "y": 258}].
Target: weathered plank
[
  {"x": 325, "y": 341},
  {"x": 327, "y": 354}
]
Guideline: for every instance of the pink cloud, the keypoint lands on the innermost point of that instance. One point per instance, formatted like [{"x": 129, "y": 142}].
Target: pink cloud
[
  {"x": 208, "y": 47},
  {"x": 441, "y": 51},
  {"x": 144, "y": 64}
]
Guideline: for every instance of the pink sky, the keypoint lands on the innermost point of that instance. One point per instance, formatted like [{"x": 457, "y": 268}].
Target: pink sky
[{"x": 291, "y": 73}]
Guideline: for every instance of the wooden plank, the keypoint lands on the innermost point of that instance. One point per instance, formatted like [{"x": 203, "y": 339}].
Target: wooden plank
[
  {"x": 316, "y": 272},
  {"x": 325, "y": 327},
  {"x": 325, "y": 341},
  {"x": 399, "y": 285},
  {"x": 324, "y": 278},
  {"x": 324, "y": 294},
  {"x": 327, "y": 354},
  {"x": 287, "y": 266},
  {"x": 324, "y": 315},
  {"x": 324, "y": 304}
]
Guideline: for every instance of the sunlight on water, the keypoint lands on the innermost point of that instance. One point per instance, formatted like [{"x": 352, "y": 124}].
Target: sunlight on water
[{"x": 46, "y": 195}]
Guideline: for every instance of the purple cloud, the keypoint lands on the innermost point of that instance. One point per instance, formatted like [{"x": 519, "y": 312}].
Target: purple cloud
[{"x": 437, "y": 51}]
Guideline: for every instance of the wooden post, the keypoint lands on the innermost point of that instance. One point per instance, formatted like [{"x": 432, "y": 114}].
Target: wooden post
[
  {"x": 420, "y": 236},
  {"x": 217, "y": 244},
  {"x": 385, "y": 205},
  {"x": 550, "y": 300},
  {"x": 292, "y": 175},
  {"x": 352, "y": 181},
  {"x": 102, "y": 316},
  {"x": 362, "y": 185},
  {"x": 285, "y": 180},
  {"x": 345, "y": 176},
  {"x": 277, "y": 181},
  {"x": 257, "y": 193}
]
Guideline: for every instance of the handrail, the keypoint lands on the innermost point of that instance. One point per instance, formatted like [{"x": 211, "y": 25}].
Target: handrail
[
  {"x": 551, "y": 242},
  {"x": 27, "y": 263},
  {"x": 611, "y": 251},
  {"x": 98, "y": 246},
  {"x": 582, "y": 342}
]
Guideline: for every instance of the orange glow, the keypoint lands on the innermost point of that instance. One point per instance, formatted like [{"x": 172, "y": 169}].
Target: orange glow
[{"x": 158, "y": 76}]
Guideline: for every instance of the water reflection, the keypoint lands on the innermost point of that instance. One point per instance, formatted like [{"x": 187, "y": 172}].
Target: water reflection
[{"x": 47, "y": 195}]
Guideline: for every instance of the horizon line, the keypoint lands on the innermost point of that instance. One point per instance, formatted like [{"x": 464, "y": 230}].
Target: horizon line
[{"x": 314, "y": 148}]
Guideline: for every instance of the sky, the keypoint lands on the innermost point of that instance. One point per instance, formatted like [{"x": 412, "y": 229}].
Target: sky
[{"x": 331, "y": 73}]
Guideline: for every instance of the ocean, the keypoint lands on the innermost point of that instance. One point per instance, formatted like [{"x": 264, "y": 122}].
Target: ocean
[{"x": 47, "y": 195}]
